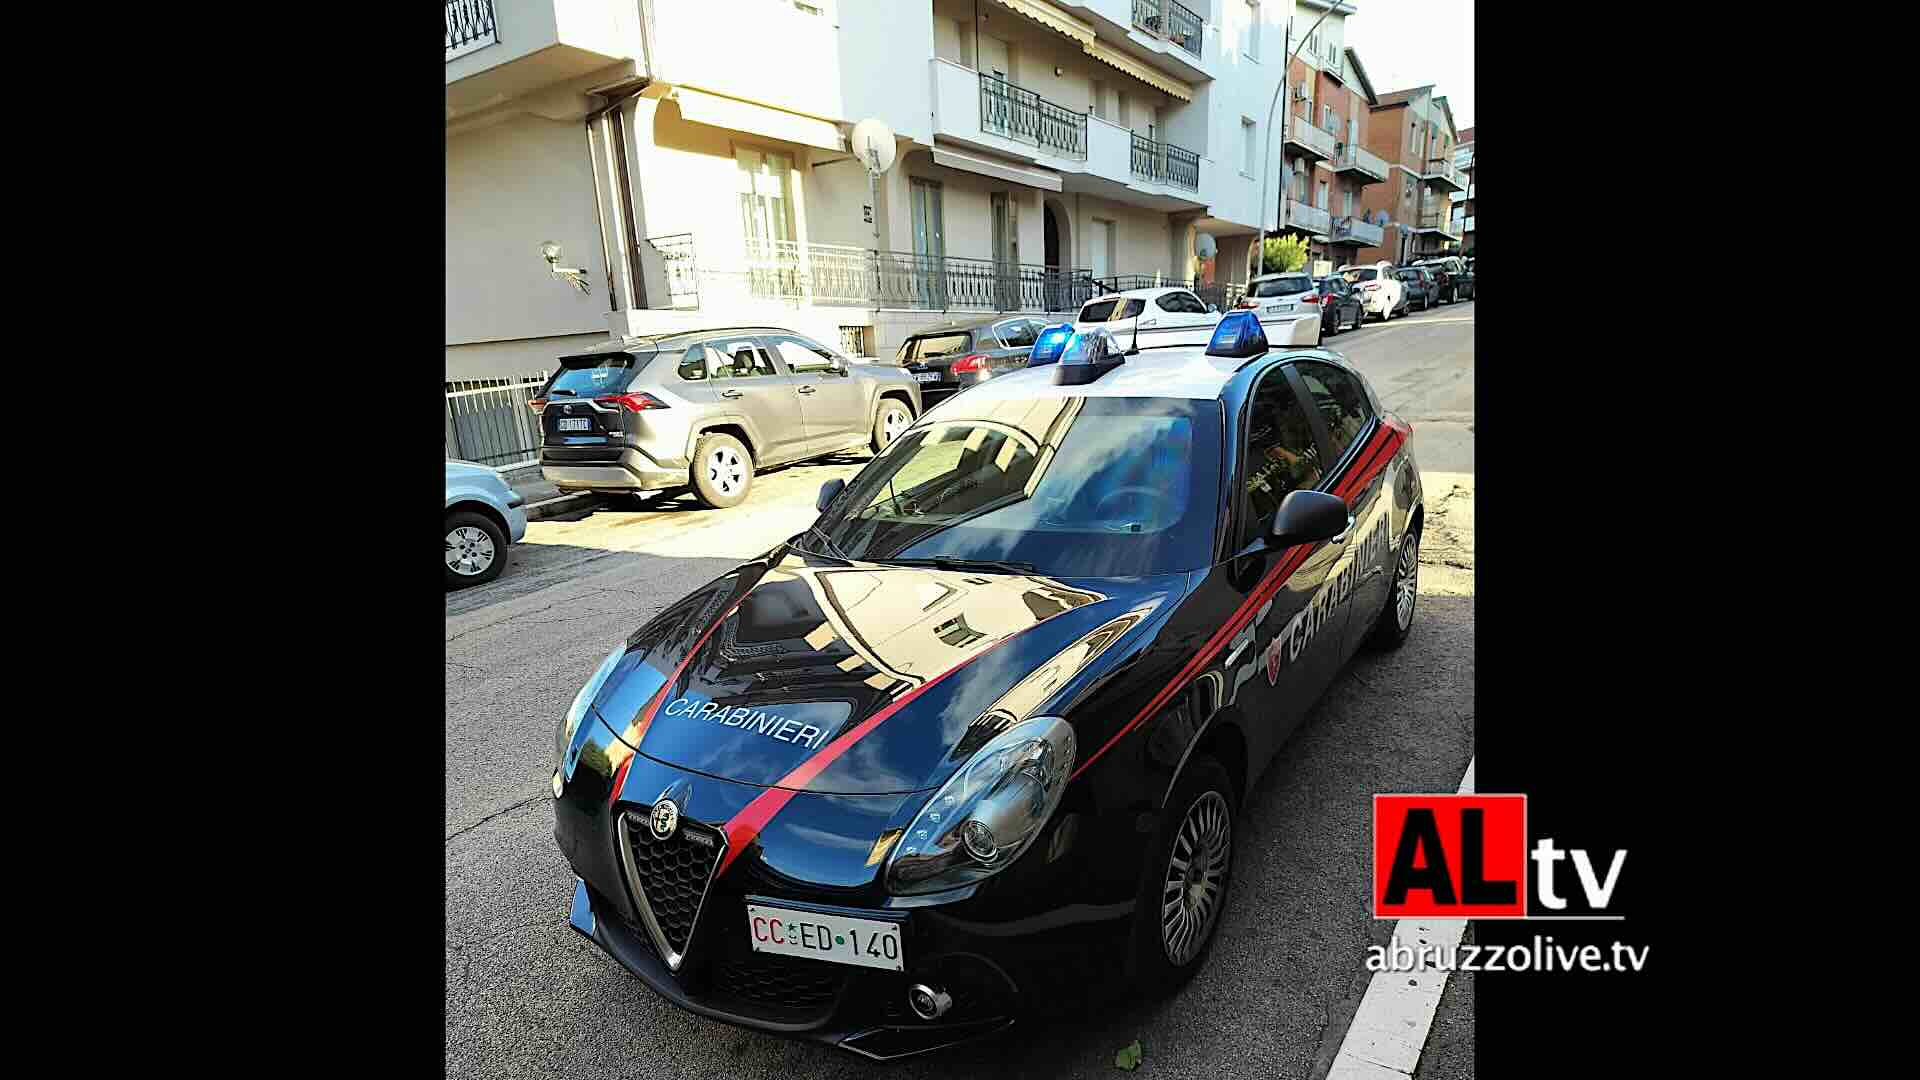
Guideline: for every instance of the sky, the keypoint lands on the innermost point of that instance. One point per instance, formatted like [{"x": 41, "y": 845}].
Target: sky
[{"x": 1406, "y": 43}]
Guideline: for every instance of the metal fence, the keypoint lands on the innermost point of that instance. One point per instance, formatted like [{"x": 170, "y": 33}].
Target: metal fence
[
  {"x": 1170, "y": 20},
  {"x": 1017, "y": 113},
  {"x": 1165, "y": 161},
  {"x": 683, "y": 272},
  {"x": 470, "y": 24},
  {"x": 834, "y": 273},
  {"x": 489, "y": 421}
]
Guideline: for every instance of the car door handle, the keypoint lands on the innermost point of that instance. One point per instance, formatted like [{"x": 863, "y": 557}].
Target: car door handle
[
  {"x": 732, "y": 393},
  {"x": 806, "y": 389},
  {"x": 1149, "y": 322},
  {"x": 1342, "y": 538}
]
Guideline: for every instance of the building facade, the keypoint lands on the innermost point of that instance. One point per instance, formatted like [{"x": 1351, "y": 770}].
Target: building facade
[
  {"x": 1463, "y": 200},
  {"x": 1413, "y": 131},
  {"x": 690, "y": 159},
  {"x": 1327, "y": 165}
]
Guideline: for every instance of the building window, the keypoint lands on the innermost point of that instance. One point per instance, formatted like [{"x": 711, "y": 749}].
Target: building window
[
  {"x": 765, "y": 208},
  {"x": 1249, "y": 151},
  {"x": 1252, "y": 46}
]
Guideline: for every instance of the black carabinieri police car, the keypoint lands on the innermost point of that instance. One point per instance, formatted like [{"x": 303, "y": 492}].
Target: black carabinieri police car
[{"x": 977, "y": 741}]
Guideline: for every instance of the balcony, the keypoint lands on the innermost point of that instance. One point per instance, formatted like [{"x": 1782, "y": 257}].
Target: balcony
[
  {"x": 1026, "y": 117},
  {"x": 1436, "y": 221},
  {"x": 502, "y": 49},
  {"x": 1353, "y": 230},
  {"x": 1170, "y": 21},
  {"x": 1440, "y": 172},
  {"x": 1166, "y": 163},
  {"x": 837, "y": 274},
  {"x": 1309, "y": 141},
  {"x": 1309, "y": 219},
  {"x": 1356, "y": 163}
]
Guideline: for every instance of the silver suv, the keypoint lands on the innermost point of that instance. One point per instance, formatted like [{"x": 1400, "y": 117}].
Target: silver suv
[{"x": 707, "y": 407}]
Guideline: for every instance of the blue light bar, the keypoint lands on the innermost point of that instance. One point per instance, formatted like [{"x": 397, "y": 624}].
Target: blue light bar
[
  {"x": 1088, "y": 356},
  {"x": 1050, "y": 344},
  {"x": 1239, "y": 334}
]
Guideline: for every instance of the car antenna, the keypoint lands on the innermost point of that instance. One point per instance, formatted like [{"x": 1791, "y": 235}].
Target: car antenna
[{"x": 1134, "y": 349}]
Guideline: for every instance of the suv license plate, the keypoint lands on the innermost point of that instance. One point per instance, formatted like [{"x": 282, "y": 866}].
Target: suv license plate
[
  {"x": 576, "y": 424},
  {"x": 926, "y": 376},
  {"x": 838, "y": 939}
]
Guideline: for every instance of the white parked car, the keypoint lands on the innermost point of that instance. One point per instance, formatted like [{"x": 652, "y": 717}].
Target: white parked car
[
  {"x": 1175, "y": 316},
  {"x": 1379, "y": 286}
]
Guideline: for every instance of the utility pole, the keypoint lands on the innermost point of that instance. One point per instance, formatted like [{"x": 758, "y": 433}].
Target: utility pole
[{"x": 1266, "y": 159}]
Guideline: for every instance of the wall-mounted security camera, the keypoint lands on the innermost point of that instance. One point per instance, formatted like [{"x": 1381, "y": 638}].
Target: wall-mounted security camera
[{"x": 577, "y": 277}]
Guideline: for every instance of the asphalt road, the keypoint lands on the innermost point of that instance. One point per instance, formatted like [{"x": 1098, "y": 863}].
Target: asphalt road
[{"x": 525, "y": 995}]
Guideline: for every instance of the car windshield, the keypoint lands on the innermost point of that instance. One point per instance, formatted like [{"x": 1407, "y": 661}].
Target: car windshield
[
  {"x": 1284, "y": 286},
  {"x": 943, "y": 345},
  {"x": 1071, "y": 486},
  {"x": 592, "y": 376},
  {"x": 1362, "y": 275}
]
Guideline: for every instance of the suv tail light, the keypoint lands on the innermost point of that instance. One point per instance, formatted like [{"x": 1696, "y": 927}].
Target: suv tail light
[
  {"x": 970, "y": 362},
  {"x": 1247, "y": 302},
  {"x": 537, "y": 404},
  {"x": 634, "y": 402}
]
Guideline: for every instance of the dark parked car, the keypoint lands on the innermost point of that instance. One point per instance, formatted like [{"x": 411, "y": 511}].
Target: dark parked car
[
  {"x": 1455, "y": 281},
  {"x": 1340, "y": 304},
  {"x": 1419, "y": 284},
  {"x": 950, "y": 358},
  {"x": 978, "y": 742}
]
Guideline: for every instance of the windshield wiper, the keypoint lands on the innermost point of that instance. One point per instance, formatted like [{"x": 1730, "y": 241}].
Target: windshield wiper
[
  {"x": 827, "y": 544},
  {"x": 954, "y": 562}
]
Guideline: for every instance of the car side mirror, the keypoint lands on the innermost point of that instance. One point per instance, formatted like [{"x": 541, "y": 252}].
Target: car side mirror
[
  {"x": 1213, "y": 309},
  {"x": 831, "y": 490},
  {"x": 1307, "y": 517},
  {"x": 838, "y": 365}
]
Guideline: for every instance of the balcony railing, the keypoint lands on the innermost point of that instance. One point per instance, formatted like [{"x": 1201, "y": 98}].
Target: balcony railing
[
  {"x": 1437, "y": 218},
  {"x": 838, "y": 274},
  {"x": 1170, "y": 20},
  {"x": 1302, "y": 133},
  {"x": 1308, "y": 217},
  {"x": 1351, "y": 156},
  {"x": 1442, "y": 169},
  {"x": 1022, "y": 115},
  {"x": 470, "y": 26},
  {"x": 1166, "y": 162},
  {"x": 1358, "y": 231},
  {"x": 682, "y": 272}
]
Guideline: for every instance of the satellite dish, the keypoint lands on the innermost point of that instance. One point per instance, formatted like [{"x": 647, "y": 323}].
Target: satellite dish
[
  {"x": 872, "y": 143},
  {"x": 1204, "y": 245}
]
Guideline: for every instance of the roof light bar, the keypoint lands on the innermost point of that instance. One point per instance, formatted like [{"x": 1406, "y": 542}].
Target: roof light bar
[{"x": 1238, "y": 335}]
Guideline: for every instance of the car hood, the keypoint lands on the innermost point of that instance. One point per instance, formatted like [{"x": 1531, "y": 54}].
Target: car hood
[{"x": 878, "y": 679}]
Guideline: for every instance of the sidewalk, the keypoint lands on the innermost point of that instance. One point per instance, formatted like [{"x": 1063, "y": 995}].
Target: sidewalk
[{"x": 543, "y": 499}]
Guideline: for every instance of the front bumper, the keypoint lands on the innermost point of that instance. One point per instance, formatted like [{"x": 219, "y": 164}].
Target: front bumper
[{"x": 516, "y": 520}]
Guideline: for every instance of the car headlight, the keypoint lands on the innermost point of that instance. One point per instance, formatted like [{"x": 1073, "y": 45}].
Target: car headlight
[
  {"x": 578, "y": 710},
  {"x": 980, "y": 821}
]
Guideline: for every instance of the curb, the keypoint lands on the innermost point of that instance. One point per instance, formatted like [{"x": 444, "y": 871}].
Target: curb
[{"x": 561, "y": 505}]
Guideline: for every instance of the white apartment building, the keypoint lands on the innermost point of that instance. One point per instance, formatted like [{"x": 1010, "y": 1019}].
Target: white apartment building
[{"x": 690, "y": 159}]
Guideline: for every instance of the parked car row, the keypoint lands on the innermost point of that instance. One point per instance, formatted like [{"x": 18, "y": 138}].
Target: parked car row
[{"x": 1387, "y": 290}]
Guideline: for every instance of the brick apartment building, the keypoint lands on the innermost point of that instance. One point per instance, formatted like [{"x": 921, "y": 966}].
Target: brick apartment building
[
  {"x": 1463, "y": 200},
  {"x": 1413, "y": 130},
  {"x": 1325, "y": 162}
]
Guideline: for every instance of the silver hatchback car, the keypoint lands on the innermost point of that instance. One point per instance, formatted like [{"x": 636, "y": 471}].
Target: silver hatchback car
[{"x": 706, "y": 408}]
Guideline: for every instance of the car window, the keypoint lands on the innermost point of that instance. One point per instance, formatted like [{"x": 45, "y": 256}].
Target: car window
[
  {"x": 1129, "y": 309},
  {"x": 802, "y": 356},
  {"x": 1282, "y": 455},
  {"x": 1016, "y": 333},
  {"x": 693, "y": 365},
  {"x": 942, "y": 345},
  {"x": 737, "y": 360},
  {"x": 591, "y": 376},
  {"x": 1341, "y": 399},
  {"x": 1281, "y": 286},
  {"x": 1181, "y": 303},
  {"x": 1368, "y": 274},
  {"x": 1098, "y": 311},
  {"x": 1095, "y": 486}
]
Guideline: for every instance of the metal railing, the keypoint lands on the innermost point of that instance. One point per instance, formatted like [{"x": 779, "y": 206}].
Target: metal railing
[
  {"x": 1442, "y": 168},
  {"x": 1021, "y": 114},
  {"x": 1436, "y": 218},
  {"x": 1170, "y": 21},
  {"x": 470, "y": 26},
  {"x": 1308, "y": 217},
  {"x": 1358, "y": 230},
  {"x": 488, "y": 420},
  {"x": 825, "y": 273},
  {"x": 1352, "y": 156},
  {"x": 1303, "y": 132},
  {"x": 834, "y": 273},
  {"x": 682, "y": 270},
  {"x": 1167, "y": 162}
]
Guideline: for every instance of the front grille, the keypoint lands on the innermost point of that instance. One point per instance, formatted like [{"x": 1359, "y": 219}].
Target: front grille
[
  {"x": 671, "y": 878},
  {"x": 784, "y": 984}
]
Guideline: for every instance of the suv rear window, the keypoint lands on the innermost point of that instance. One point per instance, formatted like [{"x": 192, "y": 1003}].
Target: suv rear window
[
  {"x": 1368, "y": 274},
  {"x": 592, "y": 376},
  {"x": 939, "y": 345},
  {"x": 1285, "y": 286}
]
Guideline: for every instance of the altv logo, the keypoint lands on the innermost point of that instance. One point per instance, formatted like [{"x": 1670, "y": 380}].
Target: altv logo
[{"x": 1466, "y": 856}]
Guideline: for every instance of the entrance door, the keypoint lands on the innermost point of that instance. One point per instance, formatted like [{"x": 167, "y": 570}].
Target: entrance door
[{"x": 929, "y": 245}]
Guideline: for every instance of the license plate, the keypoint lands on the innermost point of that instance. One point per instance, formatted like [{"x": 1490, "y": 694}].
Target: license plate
[
  {"x": 926, "y": 376},
  {"x": 577, "y": 424},
  {"x": 1279, "y": 307},
  {"x": 839, "y": 939}
]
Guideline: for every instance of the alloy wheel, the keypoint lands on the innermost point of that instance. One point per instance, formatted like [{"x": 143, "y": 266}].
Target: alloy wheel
[
  {"x": 469, "y": 551},
  {"x": 726, "y": 470},
  {"x": 1195, "y": 880},
  {"x": 1406, "y": 580},
  {"x": 893, "y": 423}
]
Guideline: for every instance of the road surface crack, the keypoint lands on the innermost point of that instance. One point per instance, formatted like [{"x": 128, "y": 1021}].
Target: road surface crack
[{"x": 508, "y": 809}]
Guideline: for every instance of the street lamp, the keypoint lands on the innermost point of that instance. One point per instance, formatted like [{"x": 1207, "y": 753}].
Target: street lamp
[{"x": 1266, "y": 160}]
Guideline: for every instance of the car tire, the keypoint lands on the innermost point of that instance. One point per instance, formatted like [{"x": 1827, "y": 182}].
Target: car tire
[
  {"x": 1199, "y": 817},
  {"x": 1359, "y": 317},
  {"x": 1386, "y": 313},
  {"x": 476, "y": 549},
  {"x": 1395, "y": 621},
  {"x": 722, "y": 471},
  {"x": 888, "y": 422}
]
